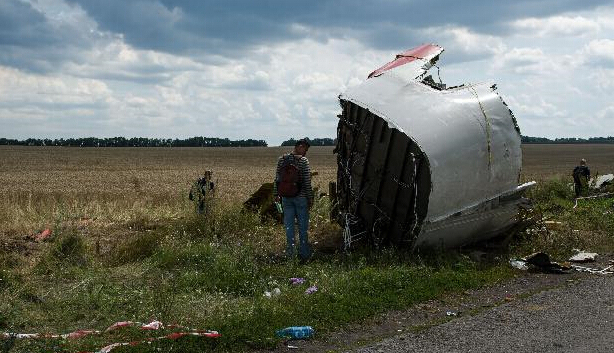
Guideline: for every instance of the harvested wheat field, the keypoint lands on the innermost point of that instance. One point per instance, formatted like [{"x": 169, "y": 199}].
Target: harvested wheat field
[
  {"x": 42, "y": 186},
  {"x": 550, "y": 161}
]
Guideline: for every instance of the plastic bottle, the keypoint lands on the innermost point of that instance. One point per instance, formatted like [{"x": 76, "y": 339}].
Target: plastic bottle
[{"x": 296, "y": 332}]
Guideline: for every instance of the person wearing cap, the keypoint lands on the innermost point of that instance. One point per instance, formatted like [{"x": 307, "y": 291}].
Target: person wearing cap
[
  {"x": 297, "y": 206},
  {"x": 581, "y": 174}
]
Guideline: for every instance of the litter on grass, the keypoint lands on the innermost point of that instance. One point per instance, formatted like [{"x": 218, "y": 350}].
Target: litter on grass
[
  {"x": 540, "y": 262},
  {"x": 311, "y": 290},
  {"x": 296, "y": 332},
  {"x": 602, "y": 181},
  {"x": 275, "y": 292},
  {"x": 297, "y": 280},
  {"x": 154, "y": 325},
  {"x": 583, "y": 256},
  {"x": 600, "y": 271},
  {"x": 519, "y": 264}
]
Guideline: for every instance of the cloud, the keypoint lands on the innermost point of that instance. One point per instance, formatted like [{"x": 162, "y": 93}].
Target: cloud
[
  {"x": 22, "y": 25},
  {"x": 599, "y": 52},
  {"x": 41, "y": 35},
  {"x": 22, "y": 88},
  {"x": 523, "y": 61},
  {"x": 216, "y": 27},
  {"x": 115, "y": 60},
  {"x": 557, "y": 26},
  {"x": 535, "y": 106},
  {"x": 273, "y": 69},
  {"x": 462, "y": 44},
  {"x": 606, "y": 114}
]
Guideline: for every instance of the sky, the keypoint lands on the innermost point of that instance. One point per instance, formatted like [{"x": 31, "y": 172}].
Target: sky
[{"x": 273, "y": 69}]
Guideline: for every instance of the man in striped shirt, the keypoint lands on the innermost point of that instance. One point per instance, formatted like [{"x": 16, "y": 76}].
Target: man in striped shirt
[{"x": 295, "y": 206}]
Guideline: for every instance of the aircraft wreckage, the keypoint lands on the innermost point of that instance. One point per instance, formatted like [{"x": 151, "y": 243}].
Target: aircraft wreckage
[{"x": 422, "y": 164}]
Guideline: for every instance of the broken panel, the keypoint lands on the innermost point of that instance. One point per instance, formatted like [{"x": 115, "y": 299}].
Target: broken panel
[
  {"x": 423, "y": 164},
  {"x": 381, "y": 176}
]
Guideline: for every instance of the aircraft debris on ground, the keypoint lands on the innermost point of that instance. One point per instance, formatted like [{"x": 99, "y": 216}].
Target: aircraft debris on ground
[{"x": 424, "y": 164}]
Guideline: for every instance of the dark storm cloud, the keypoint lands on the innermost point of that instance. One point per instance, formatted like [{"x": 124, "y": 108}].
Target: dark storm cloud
[
  {"x": 23, "y": 26},
  {"x": 221, "y": 26},
  {"x": 30, "y": 42}
]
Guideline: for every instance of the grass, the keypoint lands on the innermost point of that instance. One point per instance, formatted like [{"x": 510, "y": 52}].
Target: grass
[
  {"x": 560, "y": 228},
  {"x": 127, "y": 245},
  {"x": 213, "y": 277}
]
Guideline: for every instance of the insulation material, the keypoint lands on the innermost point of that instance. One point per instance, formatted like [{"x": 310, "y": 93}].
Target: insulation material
[{"x": 422, "y": 164}]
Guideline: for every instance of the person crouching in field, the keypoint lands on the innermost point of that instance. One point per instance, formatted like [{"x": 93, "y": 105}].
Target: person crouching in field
[
  {"x": 581, "y": 175},
  {"x": 202, "y": 193},
  {"x": 293, "y": 188}
]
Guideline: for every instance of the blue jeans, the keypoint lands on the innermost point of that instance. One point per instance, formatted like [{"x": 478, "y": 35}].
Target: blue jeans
[{"x": 296, "y": 207}]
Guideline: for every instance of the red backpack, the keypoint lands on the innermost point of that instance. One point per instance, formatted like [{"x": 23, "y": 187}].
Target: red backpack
[{"x": 289, "y": 178}]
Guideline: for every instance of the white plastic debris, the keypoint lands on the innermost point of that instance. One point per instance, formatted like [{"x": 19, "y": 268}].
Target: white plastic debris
[
  {"x": 603, "y": 271},
  {"x": 275, "y": 292},
  {"x": 601, "y": 180},
  {"x": 583, "y": 257},
  {"x": 519, "y": 264}
]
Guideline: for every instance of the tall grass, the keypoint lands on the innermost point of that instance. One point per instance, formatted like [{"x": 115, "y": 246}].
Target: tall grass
[
  {"x": 560, "y": 228},
  {"x": 211, "y": 274}
]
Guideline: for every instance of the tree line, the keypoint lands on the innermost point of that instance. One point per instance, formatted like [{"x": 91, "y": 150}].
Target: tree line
[
  {"x": 197, "y": 141},
  {"x": 567, "y": 140},
  {"x": 313, "y": 142}
]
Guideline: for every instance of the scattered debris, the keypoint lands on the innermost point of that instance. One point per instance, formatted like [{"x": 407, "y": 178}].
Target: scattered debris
[
  {"x": 275, "y": 292},
  {"x": 42, "y": 236},
  {"x": 541, "y": 262},
  {"x": 582, "y": 256},
  {"x": 603, "y": 271},
  {"x": 519, "y": 264},
  {"x": 297, "y": 280},
  {"x": 311, "y": 290},
  {"x": 602, "y": 181},
  {"x": 296, "y": 332},
  {"x": 154, "y": 325},
  {"x": 553, "y": 224},
  {"x": 599, "y": 196}
]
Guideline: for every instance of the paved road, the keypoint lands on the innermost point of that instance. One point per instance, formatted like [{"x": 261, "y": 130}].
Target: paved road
[{"x": 578, "y": 317}]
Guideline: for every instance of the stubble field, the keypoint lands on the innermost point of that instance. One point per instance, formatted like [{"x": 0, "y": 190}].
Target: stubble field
[{"x": 41, "y": 186}]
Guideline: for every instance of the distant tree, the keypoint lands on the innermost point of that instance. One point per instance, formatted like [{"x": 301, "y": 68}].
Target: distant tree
[
  {"x": 326, "y": 141},
  {"x": 119, "y": 141}
]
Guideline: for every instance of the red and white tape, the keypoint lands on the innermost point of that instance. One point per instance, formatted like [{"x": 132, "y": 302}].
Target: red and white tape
[{"x": 154, "y": 325}]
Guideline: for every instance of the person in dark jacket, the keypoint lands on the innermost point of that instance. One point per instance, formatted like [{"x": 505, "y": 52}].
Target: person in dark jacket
[
  {"x": 202, "y": 192},
  {"x": 581, "y": 175},
  {"x": 296, "y": 204}
]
